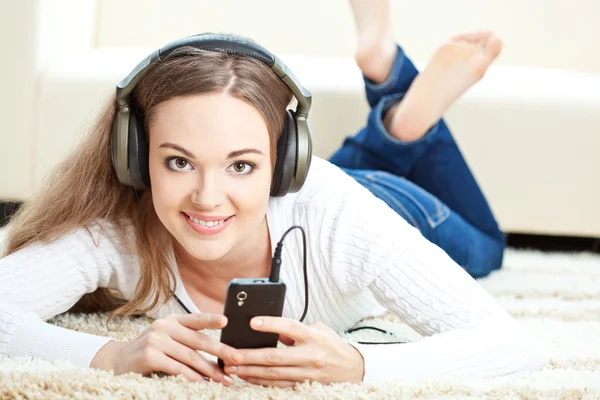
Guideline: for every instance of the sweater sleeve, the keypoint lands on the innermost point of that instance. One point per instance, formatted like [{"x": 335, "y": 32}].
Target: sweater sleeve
[
  {"x": 43, "y": 280},
  {"x": 467, "y": 333}
]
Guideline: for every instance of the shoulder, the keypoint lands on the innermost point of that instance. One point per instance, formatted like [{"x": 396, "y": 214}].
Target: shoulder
[
  {"x": 330, "y": 195},
  {"x": 326, "y": 185},
  {"x": 341, "y": 214},
  {"x": 346, "y": 218},
  {"x": 97, "y": 237},
  {"x": 119, "y": 235}
]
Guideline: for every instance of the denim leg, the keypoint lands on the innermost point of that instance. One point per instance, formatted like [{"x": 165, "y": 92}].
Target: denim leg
[
  {"x": 477, "y": 252},
  {"x": 362, "y": 151},
  {"x": 433, "y": 162},
  {"x": 401, "y": 77},
  {"x": 373, "y": 148}
]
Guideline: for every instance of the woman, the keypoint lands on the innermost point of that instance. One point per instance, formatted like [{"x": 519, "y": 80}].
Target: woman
[{"x": 213, "y": 122}]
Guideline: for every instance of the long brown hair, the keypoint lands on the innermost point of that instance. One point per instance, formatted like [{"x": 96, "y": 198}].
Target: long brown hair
[{"x": 83, "y": 188}]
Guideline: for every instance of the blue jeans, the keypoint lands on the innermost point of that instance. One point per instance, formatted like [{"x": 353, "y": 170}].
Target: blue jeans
[{"x": 426, "y": 181}]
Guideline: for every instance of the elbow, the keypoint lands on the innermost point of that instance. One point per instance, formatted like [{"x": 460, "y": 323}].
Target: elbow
[
  {"x": 519, "y": 351},
  {"x": 532, "y": 358},
  {"x": 506, "y": 348},
  {"x": 526, "y": 358}
]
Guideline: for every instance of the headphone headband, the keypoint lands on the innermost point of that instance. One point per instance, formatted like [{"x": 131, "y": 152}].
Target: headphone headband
[{"x": 219, "y": 43}]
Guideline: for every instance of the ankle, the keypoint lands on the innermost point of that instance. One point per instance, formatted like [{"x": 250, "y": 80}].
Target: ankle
[
  {"x": 388, "y": 117},
  {"x": 408, "y": 120},
  {"x": 407, "y": 127},
  {"x": 375, "y": 58}
]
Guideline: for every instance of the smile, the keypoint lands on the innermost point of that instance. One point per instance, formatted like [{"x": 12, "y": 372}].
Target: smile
[
  {"x": 206, "y": 223},
  {"x": 208, "y": 227}
]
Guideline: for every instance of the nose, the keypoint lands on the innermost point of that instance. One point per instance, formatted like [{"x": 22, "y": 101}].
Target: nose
[{"x": 208, "y": 193}]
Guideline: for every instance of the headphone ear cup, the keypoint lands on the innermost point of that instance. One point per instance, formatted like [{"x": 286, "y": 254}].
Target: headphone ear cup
[
  {"x": 138, "y": 153},
  {"x": 285, "y": 165}
]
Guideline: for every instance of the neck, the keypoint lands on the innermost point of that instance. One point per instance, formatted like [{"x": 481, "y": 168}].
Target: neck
[{"x": 250, "y": 259}]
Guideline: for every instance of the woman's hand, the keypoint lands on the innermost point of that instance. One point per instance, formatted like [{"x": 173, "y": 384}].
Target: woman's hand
[
  {"x": 170, "y": 345},
  {"x": 318, "y": 354}
]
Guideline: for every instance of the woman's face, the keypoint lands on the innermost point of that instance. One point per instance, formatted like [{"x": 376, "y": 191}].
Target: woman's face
[{"x": 210, "y": 172}]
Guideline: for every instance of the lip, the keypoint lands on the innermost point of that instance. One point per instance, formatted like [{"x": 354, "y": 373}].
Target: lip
[
  {"x": 209, "y": 230},
  {"x": 208, "y": 217}
]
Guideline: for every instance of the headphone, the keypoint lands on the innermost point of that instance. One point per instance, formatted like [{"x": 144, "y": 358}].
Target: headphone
[{"x": 129, "y": 144}]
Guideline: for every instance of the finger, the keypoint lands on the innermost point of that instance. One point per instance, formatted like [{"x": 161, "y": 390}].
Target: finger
[
  {"x": 199, "y": 321},
  {"x": 200, "y": 341},
  {"x": 273, "y": 373},
  {"x": 276, "y": 357},
  {"x": 288, "y": 341},
  {"x": 191, "y": 358},
  {"x": 283, "y": 326},
  {"x": 163, "y": 363},
  {"x": 270, "y": 383}
]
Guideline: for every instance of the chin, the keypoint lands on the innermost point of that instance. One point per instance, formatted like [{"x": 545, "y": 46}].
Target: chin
[{"x": 205, "y": 251}]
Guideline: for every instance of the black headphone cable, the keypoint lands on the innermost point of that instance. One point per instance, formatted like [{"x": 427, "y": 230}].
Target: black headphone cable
[
  {"x": 274, "y": 277},
  {"x": 276, "y": 265}
]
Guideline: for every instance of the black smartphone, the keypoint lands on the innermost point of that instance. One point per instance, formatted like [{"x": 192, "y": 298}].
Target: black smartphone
[{"x": 248, "y": 298}]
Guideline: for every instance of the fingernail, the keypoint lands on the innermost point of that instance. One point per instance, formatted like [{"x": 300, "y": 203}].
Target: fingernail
[
  {"x": 232, "y": 368},
  {"x": 221, "y": 320},
  {"x": 228, "y": 379},
  {"x": 257, "y": 322}
]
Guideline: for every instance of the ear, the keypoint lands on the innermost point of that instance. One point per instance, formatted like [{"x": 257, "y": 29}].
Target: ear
[
  {"x": 138, "y": 150},
  {"x": 285, "y": 165}
]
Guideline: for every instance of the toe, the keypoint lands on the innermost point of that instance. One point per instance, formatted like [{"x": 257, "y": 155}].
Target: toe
[
  {"x": 480, "y": 36},
  {"x": 493, "y": 47},
  {"x": 475, "y": 37},
  {"x": 460, "y": 36}
]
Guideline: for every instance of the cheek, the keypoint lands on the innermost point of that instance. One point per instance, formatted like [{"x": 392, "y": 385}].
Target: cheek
[
  {"x": 166, "y": 191},
  {"x": 253, "y": 194}
]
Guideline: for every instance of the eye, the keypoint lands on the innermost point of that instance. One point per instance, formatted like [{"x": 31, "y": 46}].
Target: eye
[
  {"x": 179, "y": 164},
  {"x": 242, "y": 167}
]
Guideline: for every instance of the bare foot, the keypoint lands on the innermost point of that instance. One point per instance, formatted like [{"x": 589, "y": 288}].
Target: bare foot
[
  {"x": 375, "y": 45},
  {"x": 455, "y": 67}
]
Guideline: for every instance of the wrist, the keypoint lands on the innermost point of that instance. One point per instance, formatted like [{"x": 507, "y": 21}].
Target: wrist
[
  {"x": 104, "y": 358},
  {"x": 359, "y": 366}
]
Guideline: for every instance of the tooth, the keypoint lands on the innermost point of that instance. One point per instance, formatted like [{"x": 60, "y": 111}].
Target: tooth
[{"x": 206, "y": 223}]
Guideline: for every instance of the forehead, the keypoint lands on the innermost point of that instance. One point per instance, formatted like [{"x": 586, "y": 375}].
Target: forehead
[{"x": 210, "y": 122}]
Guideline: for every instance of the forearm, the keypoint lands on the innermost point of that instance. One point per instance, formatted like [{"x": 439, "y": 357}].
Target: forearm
[
  {"x": 43, "y": 280},
  {"x": 467, "y": 333},
  {"x": 466, "y": 353},
  {"x": 25, "y": 334}
]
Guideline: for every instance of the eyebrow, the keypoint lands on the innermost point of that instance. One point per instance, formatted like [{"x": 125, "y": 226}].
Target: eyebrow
[{"x": 233, "y": 154}]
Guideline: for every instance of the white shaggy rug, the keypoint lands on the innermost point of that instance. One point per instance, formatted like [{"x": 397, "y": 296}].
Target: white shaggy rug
[{"x": 556, "y": 297}]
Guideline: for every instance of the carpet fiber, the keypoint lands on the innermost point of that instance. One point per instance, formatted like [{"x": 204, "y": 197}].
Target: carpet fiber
[{"x": 556, "y": 297}]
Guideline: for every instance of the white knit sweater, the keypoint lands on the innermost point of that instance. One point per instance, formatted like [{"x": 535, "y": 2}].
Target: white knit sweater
[{"x": 363, "y": 258}]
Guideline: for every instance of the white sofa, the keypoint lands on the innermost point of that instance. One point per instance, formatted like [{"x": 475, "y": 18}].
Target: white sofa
[{"x": 529, "y": 129}]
